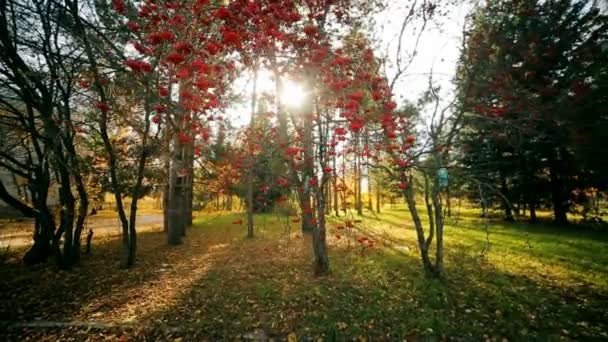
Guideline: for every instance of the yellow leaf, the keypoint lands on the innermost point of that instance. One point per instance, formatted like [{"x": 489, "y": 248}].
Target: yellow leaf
[{"x": 292, "y": 337}]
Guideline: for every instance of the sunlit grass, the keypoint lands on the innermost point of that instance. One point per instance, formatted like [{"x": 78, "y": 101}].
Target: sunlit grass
[
  {"x": 571, "y": 254},
  {"x": 531, "y": 282}
]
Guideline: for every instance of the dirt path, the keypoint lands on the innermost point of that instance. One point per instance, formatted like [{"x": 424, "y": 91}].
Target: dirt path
[{"x": 18, "y": 233}]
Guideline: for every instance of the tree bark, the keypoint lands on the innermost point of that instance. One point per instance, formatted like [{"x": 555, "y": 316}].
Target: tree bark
[
  {"x": 250, "y": 157},
  {"x": 45, "y": 225},
  {"x": 431, "y": 269},
  {"x": 178, "y": 180},
  {"x": 188, "y": 183},
  {"x": 167, "y": 170},
  {"x": 378, "y": 197},
  {"x": 557, "y": 198},
  {"x": 335, "y": 186},
  {"x": 505, "y": 202},
  {"x": 321, "y": 262},
  {"x": 308, "y": 169}
]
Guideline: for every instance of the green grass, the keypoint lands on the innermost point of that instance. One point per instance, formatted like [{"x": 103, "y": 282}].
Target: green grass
[
  {"x": 532, "y": 282},
  {"x": 571, "y": 255}
]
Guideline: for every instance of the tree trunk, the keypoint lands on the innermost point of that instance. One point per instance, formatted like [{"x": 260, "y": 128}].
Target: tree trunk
[
  {"x": 430, "y": 269},
  {"x": 448, "y": 202},
  {"x": 378, "y": 198},
  {"x": 319, "y": 242},
  {"x": 83, "y": 205},
  {"x": 44, "y": 223},
  {"x": 308, "y": 169},
  {"x": 358, "y": 203},
  {"x": 321, "y": 262},
  {"x": 438, "y": 229},
  {"x": 359, "y": 200},
  {"x": 177, "y": 186},
  {"x": 167, "y": 174},
  {"x": 370, "y": 205},
  {"x": 557, "y": 198},
  {"x": 532, "y": 212},
  {"x": 188, "y": 184},
  {"x": 67, "y": 201},
  {"x": 368, "y": 174},
  {"x": 41, "y": 249},
  {"x": 229, "y": 202},
  {"x": 327, "y": 190},
  {"x": 250, "y": 156},
  {"x": 335, "y": 186},
  {"x": 505, "y": 202},
  {"x": 176, "y": 194},
  {"x": 131, "y": 246}
]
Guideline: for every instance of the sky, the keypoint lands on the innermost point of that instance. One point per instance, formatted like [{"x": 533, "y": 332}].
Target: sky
[{"x": 438, "y": 51}]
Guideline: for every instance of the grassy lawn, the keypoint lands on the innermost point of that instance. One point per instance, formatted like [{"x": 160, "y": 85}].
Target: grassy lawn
[{"x": 532, "y": 283}]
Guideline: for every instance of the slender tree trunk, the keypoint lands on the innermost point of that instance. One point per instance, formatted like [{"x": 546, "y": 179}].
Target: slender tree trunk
[
  {"x": 438, "y": 229},
  {"x": 344, "y": 198},
  {"x": 327, "y": 189},
  {"x": 250, "y": 157},
  {"x": 506, "y": 205},
  {"x": 83, "y": 205},
  {"x": 308, "y": 169},
  {"x": 378, "y": 197},
  {"x": 422, "y": 245},
  {"x": 178, "y": 180},
  {"x": 321, "y": 262},
  {"x": 167, "y": 176},
  {"x": 431, "y": 269},
  {"x": 335, "y": 186},
  {"x": 368, "y": 174},
  {"x": 190, "y": 184},
  {"x": 176, "y": 195},
  {"x": 355, "y": 185},
  {"x": 559, "y": 207},
  {"x": 67, "y": 217},
  {"x": 448, "y": 201},
  {"x": 131, "y": 246},
  {"x": 369, "y": 192},
  {"x": 358, "y": 179},
  {"x": 532, "y": 208}
]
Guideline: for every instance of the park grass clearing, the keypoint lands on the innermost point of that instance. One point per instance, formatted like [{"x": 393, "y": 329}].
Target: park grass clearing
[{"x": 529, "y": 283}]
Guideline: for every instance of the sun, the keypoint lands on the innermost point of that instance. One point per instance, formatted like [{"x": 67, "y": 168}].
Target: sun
[{"x": 293, "y": 94}]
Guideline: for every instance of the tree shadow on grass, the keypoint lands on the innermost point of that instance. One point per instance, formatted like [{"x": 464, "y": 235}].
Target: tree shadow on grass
[
  {"x": 264, "y": 289},
  {"x": 563, "y": 245},
  {"x": 97, "y": 289},
  {"x": 220, "y": 285},
  {"x": 543, "y": 228}
]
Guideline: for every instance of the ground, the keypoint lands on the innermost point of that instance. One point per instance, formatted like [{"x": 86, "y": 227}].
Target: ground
[{"x": 513, "y": 281}]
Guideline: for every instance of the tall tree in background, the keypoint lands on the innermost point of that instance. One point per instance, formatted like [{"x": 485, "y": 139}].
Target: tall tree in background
[{"x": 536, "y": 91}]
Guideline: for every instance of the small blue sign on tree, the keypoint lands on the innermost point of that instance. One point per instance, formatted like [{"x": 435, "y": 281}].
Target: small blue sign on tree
[{"x": 442, "y": 174}]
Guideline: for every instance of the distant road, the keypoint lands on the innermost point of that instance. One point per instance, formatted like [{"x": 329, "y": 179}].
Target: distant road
[{"x": 18, "y": 234}]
